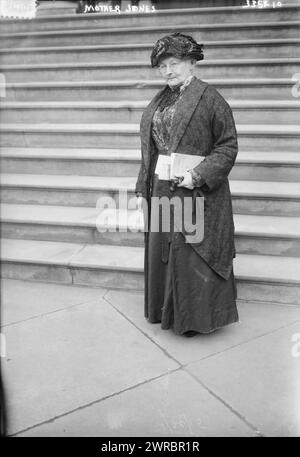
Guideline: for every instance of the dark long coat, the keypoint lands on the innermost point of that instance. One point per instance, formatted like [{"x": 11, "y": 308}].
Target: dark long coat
[{"x": 203, "y": 124}]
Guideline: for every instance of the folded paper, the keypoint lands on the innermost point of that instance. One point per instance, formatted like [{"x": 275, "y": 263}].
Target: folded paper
[{"x": 168, "y": 167}]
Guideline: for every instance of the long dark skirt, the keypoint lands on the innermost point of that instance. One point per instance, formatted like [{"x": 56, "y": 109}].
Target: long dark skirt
[{"x": 182, "y": 291}]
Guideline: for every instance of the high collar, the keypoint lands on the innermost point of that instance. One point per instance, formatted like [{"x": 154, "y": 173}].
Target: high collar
[{"x": 180, "y": 87}]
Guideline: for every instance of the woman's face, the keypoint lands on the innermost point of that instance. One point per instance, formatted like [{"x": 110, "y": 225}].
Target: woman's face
[{"x": 174, "y": 70}]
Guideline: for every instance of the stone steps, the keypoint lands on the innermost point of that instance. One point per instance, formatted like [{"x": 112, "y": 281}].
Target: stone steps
[
  {"x": 265, "y": 235},
  {"x": 81, "y": 68},
  {"x": 274, "y": 278},
  {"x": 262, "y": 137},
  {"x": 201, "y": 33},
  {"x": 245, "y": 111},
  {"x": 236, "y": 49},
  {"x": 250, "y": 165},
  {"x": 242, "y": 88},
  {"x": 249, "y": 197},
  {"x": 221, "y": 68},
  {"x": 175, "y": 16}
]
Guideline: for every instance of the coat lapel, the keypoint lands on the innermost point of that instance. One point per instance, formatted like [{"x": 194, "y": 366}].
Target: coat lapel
[{"x": 184, "y": 111}]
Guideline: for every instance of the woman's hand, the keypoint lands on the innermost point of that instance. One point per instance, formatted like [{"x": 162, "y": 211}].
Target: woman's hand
[{"x": 187, "y": 181}]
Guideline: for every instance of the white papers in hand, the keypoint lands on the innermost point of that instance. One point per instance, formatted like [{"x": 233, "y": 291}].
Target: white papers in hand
[
  {"x": 163, "y": 167},
  {"x": 180, "y": 163},
  {"x": 168, "y": 167}
]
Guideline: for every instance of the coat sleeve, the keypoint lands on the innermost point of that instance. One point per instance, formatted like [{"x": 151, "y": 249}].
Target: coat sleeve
[
  {"x": 140, "y": 185},
  {"x": 215, "y": 168},
  {"x": 141, "y": 180}
]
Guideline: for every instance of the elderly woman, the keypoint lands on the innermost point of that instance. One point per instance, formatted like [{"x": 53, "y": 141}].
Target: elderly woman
[{"x": 189, "y": 286}]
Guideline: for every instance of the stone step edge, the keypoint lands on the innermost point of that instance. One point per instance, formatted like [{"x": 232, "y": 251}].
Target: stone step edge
[
  {"x": 134, "y": 155},
  {"x": 148, "y": 46},
  {"x": 87, "y": 218},
  {"x": 142, "y": 84},
  {"x": 72, "y": 255},
  {"x": 137, "y": 104},
  {"x": 133, "y": 129},
  {"x": 131, "y": 30},
  {"x": 144, "y": 63},
  {"x": 171, "y": 11},
  {"x": 239, "y": 188}
]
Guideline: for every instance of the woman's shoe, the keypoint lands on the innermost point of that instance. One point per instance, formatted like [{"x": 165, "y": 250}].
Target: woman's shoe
[{"x": 190, "y": 333}]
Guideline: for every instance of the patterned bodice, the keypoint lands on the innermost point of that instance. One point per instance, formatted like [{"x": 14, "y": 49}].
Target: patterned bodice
[
  {"x": 162, "y": 122},
  {"x": 163, "y": 116}
]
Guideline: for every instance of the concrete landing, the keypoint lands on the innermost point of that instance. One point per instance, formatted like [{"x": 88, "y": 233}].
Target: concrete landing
[{"x": 83, "y": 361}]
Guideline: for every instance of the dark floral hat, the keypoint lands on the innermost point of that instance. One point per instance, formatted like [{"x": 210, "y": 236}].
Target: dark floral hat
[{"x": 178, "y": 45}]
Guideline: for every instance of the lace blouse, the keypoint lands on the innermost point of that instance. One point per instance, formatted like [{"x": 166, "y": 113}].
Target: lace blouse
[{"x": 162, "y": 123}]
